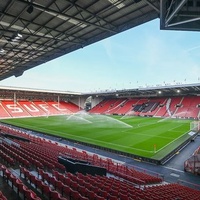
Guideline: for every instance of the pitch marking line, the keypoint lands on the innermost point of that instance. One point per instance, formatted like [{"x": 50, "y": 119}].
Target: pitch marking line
[
  {"x": 171, "y": 142},
  {"x": 117, "y": 144},
  {"x": 174, "y": 128},
  {"x": 97, "y": 141}
]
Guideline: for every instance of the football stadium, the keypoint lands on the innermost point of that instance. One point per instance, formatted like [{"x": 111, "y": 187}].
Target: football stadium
[{"x": 124, "y": 144}]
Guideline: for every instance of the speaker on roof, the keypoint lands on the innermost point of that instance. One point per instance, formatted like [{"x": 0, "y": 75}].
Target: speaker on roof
[
  {"x": 18, "y": 73},
  {"x": 30, "y": 9}
]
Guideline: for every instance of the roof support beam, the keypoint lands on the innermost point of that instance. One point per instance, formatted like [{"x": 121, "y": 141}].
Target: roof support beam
[
  {"x": 65, "y": 16},
  {"x": 184, "y": 22},
  {"x": 92, "y": 14},
  {"x": 175, "y": 11},
  {"x": 152, "y": 5}
]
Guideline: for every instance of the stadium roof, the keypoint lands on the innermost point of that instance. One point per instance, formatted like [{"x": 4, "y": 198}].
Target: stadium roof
[
  {"x": 33, "y": 32},
  {"x": 162, "y": 90},
  {"x": 38, "y": 94},
  {"x": 166, "y": 90}
]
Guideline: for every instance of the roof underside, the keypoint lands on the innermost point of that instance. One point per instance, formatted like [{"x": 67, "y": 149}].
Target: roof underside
[
  {"x": 160, "y": 91},
  {"x": 33, "y": 32}
]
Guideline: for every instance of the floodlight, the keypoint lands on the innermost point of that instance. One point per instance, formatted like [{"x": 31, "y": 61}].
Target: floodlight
[
  {"x": 2, "y": 51},
  {"x": 18, "y": 36}
]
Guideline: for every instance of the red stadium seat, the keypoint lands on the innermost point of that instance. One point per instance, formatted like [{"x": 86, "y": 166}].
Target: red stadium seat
[
  {"x": 46, "y": 190},
  {"x": 59, "y": 186},
  {"x": 54, "y": 195},
  {"x": 66, "y": 191}
]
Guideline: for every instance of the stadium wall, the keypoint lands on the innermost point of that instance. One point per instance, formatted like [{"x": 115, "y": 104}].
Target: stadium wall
[
  {"x": 96, "y": 100},
  {"x": 79, "y": 101}
]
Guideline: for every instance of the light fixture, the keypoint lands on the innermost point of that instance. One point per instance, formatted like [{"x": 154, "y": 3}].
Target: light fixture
[
  {"x": 178, "y": 91},
  {"x": 2, "y": 51},
  {"x": 159, "y": 92},
  {"x": 16, "y": 37}
]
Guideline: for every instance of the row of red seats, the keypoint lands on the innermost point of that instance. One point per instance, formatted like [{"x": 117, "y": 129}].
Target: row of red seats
[
  {"x": 32, "y": 156},
  {"x": 17, "y": 184},
  {"x": 76, "y": 188},
  {"x": 35, "y": 158},
  {"x": 115, "y": 168},
  {"x": 127, "y": 173},
  {"x": 6, "y": 158},
  {"x": 188, "y": 106},
  {"x": 98, "y": 160},
  {"x": 83, "y": 187},
  {"x": 46, "y": 157},
  {"x": 111, "y": 188},
  {"x": 135, "y": 176},
  {"x": 2, "y": 197},
  {"x": 49, "y": 186},
  {"x": 14, "y": 155},
  {"x": 173, "y": 191}
]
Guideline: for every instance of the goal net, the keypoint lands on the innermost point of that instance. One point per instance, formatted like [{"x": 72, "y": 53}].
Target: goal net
[{"x": 195, "y": 126}]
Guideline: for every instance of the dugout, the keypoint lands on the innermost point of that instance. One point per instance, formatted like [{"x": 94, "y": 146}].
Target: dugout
[{"x": 74, "y": 165}]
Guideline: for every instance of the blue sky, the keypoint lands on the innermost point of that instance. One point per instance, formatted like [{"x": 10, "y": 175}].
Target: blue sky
[{"x": 140, "y": 57}]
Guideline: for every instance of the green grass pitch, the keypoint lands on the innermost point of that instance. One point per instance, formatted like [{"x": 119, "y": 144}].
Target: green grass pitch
[{"x": 143, "y": 136}]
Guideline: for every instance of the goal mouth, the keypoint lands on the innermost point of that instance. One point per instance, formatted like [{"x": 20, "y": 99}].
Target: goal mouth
[{"x": 195, "y": 126}]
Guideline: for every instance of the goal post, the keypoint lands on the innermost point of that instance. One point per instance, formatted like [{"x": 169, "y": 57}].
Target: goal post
[{"x": 195, "y": 126}]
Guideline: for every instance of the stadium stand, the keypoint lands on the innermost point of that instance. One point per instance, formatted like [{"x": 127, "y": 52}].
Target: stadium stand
[
  {"x": 183, "y": 107},
  {"x": 14, "y": 109},
  {"x": 55, "y": 108},
  {"x": 171, "y": 105},
  {"x": 43, "y": 108},
  {"x": 105, "y": 106},
  {"x": 50, "y": 179},
  {"x": 177, "y": 107},
  {"x": 22, "y": 108},
  {"x": 161, "y": 109},
  {"x": 115, "y": 106},
  {"x": 3, "y": 112},
  {"x": 32, "y": 169},
  {"x": 192, "y": 109},
  {"x": 29, "y": 107},
  {"x": 73, "y": 108},
  {"x": 127, "y": 106},
  {"x": 22, "y": 191},
  {"x": 34, "y": 32}
]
